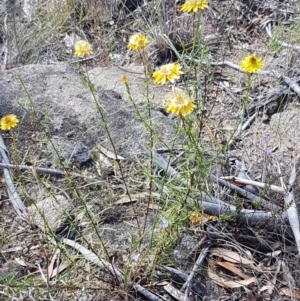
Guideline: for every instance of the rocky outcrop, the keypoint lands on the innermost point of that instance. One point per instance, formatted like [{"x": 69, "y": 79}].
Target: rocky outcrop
[{"x": 59, "y": 96}]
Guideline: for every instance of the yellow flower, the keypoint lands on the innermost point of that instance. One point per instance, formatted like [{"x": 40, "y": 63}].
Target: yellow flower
[
  {"x": 195, "y": 218},
  {"x": 8, "y": 122},
  {"x": 194, "y": 5},
  {"x": 83, "y": 48},
  {"x": 251, "y": 63},
  {"x": 137, "y": 42},
  {"x": 169, "y": 72},
  {"x": 212, "y": 218},
  {"x": 178, "y": 102},
  {"x": 124, "y": 79}
]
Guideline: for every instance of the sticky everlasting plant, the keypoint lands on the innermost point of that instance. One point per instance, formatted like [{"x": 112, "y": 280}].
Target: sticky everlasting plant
[
  {"x": 8, "y": 122},
  {"x": 83, "y": 48},
  {"x": 194, "y": 5},
  {"x": 179, "y": 102},
  {"x": 169, "y": 72},
  {"x": 137, "y": 42},
  {"x": 251, "y": 64}
]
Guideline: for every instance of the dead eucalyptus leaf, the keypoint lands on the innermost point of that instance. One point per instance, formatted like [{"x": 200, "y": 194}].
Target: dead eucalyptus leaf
[
  {"x": 125, "y": 199},
  {"x": 61, "y": 267},
  {"x": 229, "y": 283},
  {"x": 232, "y": 256},
  {"x": 274, "y": 254},
  {"x": 108, "y": 153},
  {"x": 287, "y": 292},
  {"x": 21, "y": 262},
  {"x": 232, "y": 267},
  {"x": 51, "y": 265}
]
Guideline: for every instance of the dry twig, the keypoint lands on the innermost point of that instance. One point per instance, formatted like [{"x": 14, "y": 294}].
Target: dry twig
[{"x": 198, "y": 263}]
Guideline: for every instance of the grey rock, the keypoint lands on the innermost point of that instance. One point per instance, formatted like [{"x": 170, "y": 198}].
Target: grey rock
[
  {"x": 67, "y": 113},
  {"x": 50, "y": 213}
]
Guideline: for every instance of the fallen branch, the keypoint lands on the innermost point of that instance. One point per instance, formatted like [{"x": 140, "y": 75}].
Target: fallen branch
[
  {"x": 146, "y": 293},
  {"x": 92, "y": 257},
  {"x": 292, "y": 84},
  {"x": 292, "y": 212},
  {"x": 196, "y": 286},
  {"x": 183, "y": 276},
  {"x": 246, "y": 194},
  {"x": 245, "y": 216},
  {"x": 242, "y": 173},
  {"x": 214, "y": 206},
  {"x": 254, "y": 183},
  {"x": 272, "y": 73},
  {"x": 42, "y": 170},
  {"x": 198, "y": 263},
  {"x": 162, "y": 163},
  {"x": 14, "y": 197}
]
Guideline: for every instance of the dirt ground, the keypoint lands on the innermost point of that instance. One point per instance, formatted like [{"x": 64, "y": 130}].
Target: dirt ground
[{"x": 60, "y": 128}]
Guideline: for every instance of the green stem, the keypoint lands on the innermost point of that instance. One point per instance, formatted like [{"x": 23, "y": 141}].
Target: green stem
[
  {"x": 150, "y": 127},
  {"x": 246, "y": 99}
]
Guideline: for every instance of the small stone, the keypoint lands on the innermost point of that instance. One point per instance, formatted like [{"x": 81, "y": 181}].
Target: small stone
[{"x": 50, "y": 212}]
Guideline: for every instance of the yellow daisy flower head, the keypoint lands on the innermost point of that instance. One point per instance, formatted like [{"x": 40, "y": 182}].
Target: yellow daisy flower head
[
  {"x": 194, "y": 5},
  {"x": 8, "y": 122},
  {"x": 83, "y": 48},
  {"x": 137, "y": 42},
  {"x": 251, "y": 63},
  {"x": 124, "y": 79},
  {"x": 169, "y": 72},
  {"x": 179, "y": 102}
]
